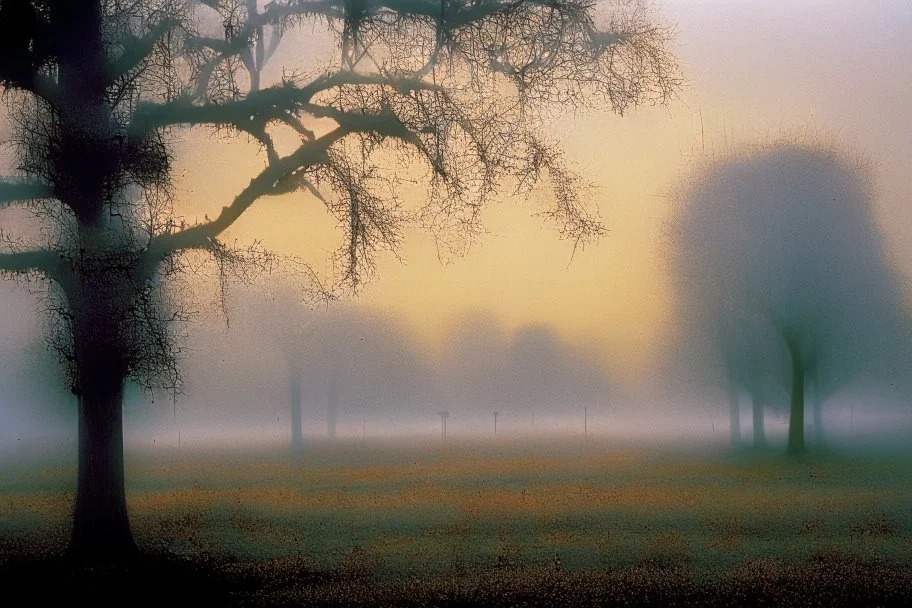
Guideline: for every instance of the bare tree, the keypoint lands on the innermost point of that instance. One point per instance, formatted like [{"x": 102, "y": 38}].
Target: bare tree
[{"x": 97, "y": 92}]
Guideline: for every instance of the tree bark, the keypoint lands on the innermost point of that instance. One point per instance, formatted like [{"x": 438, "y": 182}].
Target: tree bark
[
  {"x": 759, "y": 424},
  {"x": 101, "y": 528},
  {"x": 796, "y": 409},
  {"x": 734, "y": 414}
]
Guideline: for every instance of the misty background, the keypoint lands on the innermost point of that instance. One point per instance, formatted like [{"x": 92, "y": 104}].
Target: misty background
[{"x": 516, "y": 327}]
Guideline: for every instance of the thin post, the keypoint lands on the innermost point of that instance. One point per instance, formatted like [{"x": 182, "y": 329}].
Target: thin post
[{"x": 586, "y": 421}]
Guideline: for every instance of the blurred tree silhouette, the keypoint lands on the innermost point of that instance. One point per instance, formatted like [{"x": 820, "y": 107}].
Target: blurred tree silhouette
[{"x": 783, "y": 278}]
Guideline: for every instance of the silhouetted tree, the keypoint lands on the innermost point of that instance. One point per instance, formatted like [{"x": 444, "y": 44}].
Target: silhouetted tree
[
  {"x": 782, "y": 269},
  {"x": 97, "y": 91},
  {"x": 289, "y": 325},
  {"x": 443, "y": 418}
]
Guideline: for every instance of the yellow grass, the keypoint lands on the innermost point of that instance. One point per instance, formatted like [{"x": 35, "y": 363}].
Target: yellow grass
[{"x": 437, "y": 507}]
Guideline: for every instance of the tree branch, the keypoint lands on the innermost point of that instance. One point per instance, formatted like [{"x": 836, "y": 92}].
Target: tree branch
[
  {"x": 141, "y": 48},
  {"x": 278, "y": 103},
  {"x": 275, "y": 14},
  {"x": 282, "y": 176},
  {"x": 23, "y": 262},
  {"x": 273, "y": 180},
  {"x": 17, "y": 191},
  {"x": 35, "y": 83}
]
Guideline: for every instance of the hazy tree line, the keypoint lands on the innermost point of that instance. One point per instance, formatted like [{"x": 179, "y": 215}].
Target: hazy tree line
[{"x": 349, "y": 363}]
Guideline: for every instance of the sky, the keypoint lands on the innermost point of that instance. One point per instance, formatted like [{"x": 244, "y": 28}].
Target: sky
[{"x": 753, "y": 69}]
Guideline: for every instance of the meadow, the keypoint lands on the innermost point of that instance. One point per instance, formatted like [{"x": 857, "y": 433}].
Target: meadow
[{"x": 435, "y": 521}]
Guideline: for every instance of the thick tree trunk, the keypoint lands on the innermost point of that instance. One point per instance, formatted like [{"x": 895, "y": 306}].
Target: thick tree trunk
[
  {"x": 297, "y": 440},
  {"x": 759, "y": 425},
  {"x": 734, "y": 414},
  {"x": 88, "y": 176},
  {"x": 796, "y": 410},
  {"x": 101, "y": 528}
]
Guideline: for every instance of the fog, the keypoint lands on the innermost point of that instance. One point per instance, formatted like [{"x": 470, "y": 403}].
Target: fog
[
  {"x": 471, "y": 302},
  {"x": 389, "y": 384},
  {"x": 616, "y": 340},
  {"x": 239, "y": 374}
]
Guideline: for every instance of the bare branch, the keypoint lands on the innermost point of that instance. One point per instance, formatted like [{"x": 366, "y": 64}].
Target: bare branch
[
  {"x": 275, "y": 104},
  {"x": 283, "y": 176},
  {"x": 135, "y": 54},
  {"x": 271, "y": 181},
  {"x": 457, "y": 88},
  {"x": 35, "y": 83},
  {"x": 24, "y": 262},
  {"x": 20, "y": 190}
]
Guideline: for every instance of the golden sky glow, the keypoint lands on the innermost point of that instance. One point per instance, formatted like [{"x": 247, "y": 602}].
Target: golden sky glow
[{"x": 752, "y": 68}]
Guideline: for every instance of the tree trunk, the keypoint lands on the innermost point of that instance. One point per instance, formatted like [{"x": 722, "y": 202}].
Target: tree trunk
[
  {"x": 796, "y": 410},
  {"x": 101, "y": 528},
  {"x": 759, "y": 425},
  {"x": 734, "y": 414},
  {"x": 297, "y": 440},
  {"x": 87, "y": 177}
]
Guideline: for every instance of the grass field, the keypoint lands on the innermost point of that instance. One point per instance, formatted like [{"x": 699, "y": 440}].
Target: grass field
[{"x": 433, "y": 514}]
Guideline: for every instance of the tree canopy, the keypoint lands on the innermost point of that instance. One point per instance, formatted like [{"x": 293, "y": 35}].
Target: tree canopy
[
  {"x": 765, "y": 279},
  {"x": 99, "y": 92},
  {"x": 460, "y": 88}
]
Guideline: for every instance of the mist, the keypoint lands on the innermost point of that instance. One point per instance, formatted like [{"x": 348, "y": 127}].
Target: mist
[{"x": 401, "y": 303}]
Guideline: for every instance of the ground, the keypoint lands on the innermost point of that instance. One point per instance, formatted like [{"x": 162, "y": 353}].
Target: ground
[{"x": 546, "y": 522}]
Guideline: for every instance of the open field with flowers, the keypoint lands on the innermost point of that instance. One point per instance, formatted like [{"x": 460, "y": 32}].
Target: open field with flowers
[{"x": 451, "y": 520}]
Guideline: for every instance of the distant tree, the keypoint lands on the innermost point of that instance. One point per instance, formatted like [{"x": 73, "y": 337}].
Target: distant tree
[
  {"x": 98, "y": 91},
  {"x": 444, "y": 415},
  {"x": 756, "y": 370},
  {"x": 289, "y": 325},
  {"x": 782, "y": 273},
  {"x": 365, "y": 360},
  {"x": 483, "y": 365},
  {"x": 537, "y": 368}
]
